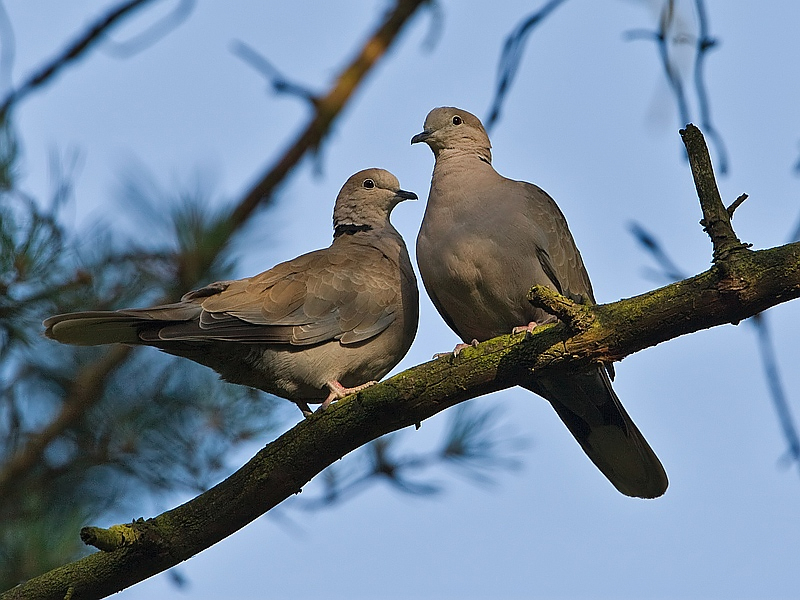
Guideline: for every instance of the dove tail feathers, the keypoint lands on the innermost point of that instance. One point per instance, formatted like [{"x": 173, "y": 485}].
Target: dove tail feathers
[
  {"x": 592, "y": 412},
  {"x": 93, "y": 328}
]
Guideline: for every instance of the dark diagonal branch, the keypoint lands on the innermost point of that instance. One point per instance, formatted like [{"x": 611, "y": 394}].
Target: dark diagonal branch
[
  {"x": 512, "y": 55},
  {"x": 72, "y": 52},
  {"x": 739, "y": 285}
]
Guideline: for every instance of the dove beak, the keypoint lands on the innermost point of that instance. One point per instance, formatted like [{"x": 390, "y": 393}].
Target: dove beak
[
  {"x": 421, "y": 137},
  {"x": 406, "y": 195}
]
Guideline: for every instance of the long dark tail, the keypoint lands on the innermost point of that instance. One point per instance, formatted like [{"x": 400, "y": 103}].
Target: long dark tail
[{"x": 592, "y": 412}]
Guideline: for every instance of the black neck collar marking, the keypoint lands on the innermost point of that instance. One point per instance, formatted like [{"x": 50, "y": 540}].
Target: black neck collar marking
[{"x": 349, "y": 229}]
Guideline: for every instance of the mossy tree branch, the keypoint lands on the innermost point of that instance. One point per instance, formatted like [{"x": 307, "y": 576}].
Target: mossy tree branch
[{"x": 740, "y": 284}]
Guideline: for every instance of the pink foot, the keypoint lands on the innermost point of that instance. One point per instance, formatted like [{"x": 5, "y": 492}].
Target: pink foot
[
  {"x": 457, "y": 350},
  {"x": 526, "y": 329},
  {"x": 338, "y": 391}
]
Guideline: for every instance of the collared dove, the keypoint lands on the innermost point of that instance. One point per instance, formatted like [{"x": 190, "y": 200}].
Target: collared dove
[
  {"x": 313, "y": 329},
  {"x": 484, "y": 241}
]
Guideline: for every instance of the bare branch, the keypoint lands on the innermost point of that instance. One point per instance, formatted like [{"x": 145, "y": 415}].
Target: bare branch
[
  {"x": 669, "y": 270},
  {"x": 511, "y": 56},
  {"x": 279, "y": 82},
  {"x": 716, "y": 220},
  {"x": 736, "y": 204},
  {"x": 72, "y": 52},
  {"x": 704, "y": 43}
]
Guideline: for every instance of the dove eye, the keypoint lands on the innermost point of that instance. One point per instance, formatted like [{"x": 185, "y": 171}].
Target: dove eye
[
  {"x": 457, "y": 120},
  {"x": 369, "y": 184}
]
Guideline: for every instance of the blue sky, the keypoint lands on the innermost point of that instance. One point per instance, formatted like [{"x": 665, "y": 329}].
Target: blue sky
[{"x": 590, "y": 120}]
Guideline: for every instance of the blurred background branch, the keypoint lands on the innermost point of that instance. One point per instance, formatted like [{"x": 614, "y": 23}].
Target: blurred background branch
[
  {"x": 673, "y": 31},
  {"x": 75, "y": 50}
]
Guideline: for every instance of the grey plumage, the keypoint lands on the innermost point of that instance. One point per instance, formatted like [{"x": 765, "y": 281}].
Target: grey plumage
[
  {"x": 484, "y": 241},
  {"x": 312, "y": 329}
]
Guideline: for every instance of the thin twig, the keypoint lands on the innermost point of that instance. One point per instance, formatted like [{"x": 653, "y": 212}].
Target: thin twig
[
  {"x": 73, "y": 51},
  {"x": 736, "y": 204},
  {"x": 769, "y": 362},
  {"x": 152, "y": 34},
  {"x": 706, "y": 43},
  {"x": 511, "y": 56},
  {"x": 279, "y": 82}
]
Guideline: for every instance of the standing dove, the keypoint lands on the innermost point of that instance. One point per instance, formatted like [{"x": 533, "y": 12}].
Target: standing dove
[
  {"x": 313, "y": 329},
  {"x": 484, "y": 241}
]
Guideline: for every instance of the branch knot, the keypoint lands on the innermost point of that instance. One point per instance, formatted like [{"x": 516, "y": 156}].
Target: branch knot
[{"x": 577, "y": 317}]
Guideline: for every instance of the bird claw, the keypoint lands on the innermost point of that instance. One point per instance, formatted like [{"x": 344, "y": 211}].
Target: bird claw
[
  {"x": 526, "y": 329},
  {"x": 337, "y": 392},
  {"x": 457, "y": 350}
]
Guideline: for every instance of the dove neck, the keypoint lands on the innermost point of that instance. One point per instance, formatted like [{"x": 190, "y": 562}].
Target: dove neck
[
  {"x": 465, "y": 153},
  {"x": 349, "y": 229},
  {"x": 457, "y": 167}
]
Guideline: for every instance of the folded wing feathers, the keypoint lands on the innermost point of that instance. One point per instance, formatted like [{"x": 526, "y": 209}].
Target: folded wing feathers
[{"x": 302, "y": 302}]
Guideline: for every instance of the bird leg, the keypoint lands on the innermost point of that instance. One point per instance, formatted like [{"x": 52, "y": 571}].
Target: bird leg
[
  {"x": 457, "y": 350},
  {"x": 338, "y": 391},
  {"x": 528, "y": 329}
]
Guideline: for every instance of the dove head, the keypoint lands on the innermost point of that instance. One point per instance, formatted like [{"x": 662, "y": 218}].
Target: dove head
[
  {"x": 366, "y": 200},
  {"x": 452, "y": 129}
]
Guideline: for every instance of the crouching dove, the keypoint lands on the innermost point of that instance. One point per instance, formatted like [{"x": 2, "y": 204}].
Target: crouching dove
[
  {"x": 484, "y": 241},
  {"x": 313, "y": 329}
]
